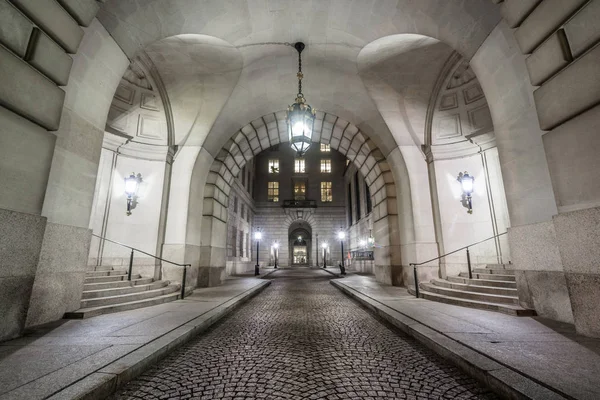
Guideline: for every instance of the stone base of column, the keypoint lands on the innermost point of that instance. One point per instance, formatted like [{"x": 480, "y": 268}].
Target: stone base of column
[
  {"x": 60, "y": 273},
  {"x": 210, "y": 276},
  {"x": 389, "y": 274},
  {"x": 21, "y": 237},
  {"x": 578, "y": 237},
  {"x": 539, "y": 272}
]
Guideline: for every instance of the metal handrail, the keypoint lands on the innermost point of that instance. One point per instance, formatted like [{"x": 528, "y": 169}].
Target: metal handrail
[
  {"x": 415, "y": 265},
  {"x": 151, "y": 255}
]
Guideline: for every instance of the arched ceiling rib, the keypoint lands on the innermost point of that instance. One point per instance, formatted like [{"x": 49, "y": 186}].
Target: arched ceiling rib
[
  {"x": 400, "y": 73},
  {"x": 199, "y": 73},
  {"x": 270, "y": 129}
]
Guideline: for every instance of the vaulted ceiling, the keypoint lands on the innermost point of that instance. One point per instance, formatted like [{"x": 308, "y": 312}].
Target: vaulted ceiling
[{"x": 225, "y": 63}]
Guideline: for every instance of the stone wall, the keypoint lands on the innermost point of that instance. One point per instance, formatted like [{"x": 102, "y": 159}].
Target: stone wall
[
  {"x": 240, "y": 223},
  {"x": 45, "y": 46},
  {"x": 554, "y": 45}
]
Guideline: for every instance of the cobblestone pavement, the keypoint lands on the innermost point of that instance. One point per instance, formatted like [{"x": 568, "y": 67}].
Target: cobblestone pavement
[{"x": 303, "y": 339}]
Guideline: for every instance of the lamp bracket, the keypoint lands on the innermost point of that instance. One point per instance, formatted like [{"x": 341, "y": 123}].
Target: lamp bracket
[{"x": 299, "y": 46}]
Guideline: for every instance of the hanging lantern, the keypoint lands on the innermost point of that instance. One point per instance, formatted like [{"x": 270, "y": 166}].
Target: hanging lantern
[{"x": 300, "y": 116}]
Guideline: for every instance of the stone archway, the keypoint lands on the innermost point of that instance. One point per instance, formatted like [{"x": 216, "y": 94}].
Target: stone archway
[{"x": 341, "y": 135}]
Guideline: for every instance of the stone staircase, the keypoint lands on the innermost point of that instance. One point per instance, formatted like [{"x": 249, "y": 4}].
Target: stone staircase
[
  {"x": 492, "y": 288},
  {"x": 107, "y": 290}
]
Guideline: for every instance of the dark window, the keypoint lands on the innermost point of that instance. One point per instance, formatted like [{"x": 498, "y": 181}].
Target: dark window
[
  {"x": 235, "y": 202},
  {"x": 230, "y": 244},
  {"x": 368, "y": 194},
  {"x": 357, "y": 193},
  {"x": 241, "y": 253},
  {"x": 234, "y": 242},
  {"x": 349, "y": 204}
]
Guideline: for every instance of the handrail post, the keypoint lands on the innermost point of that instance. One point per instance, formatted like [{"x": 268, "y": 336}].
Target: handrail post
[
  {"x": 130, "y": 265},
  {"x": 416, "y": 281},
  {"x": 183, "y": 282},
  {"x": 469, "y": 264}
]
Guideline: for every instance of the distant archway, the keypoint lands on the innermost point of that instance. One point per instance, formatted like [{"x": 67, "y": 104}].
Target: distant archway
[{"x": 300, "y": 243}]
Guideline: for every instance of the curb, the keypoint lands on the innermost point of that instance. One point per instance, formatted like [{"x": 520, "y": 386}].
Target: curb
[
  {"x": 108, "y": 379},
  {"x": 331, "y": 272},
  {"x": 265, "y": 275},
  {"x": 499, "y": 378}
]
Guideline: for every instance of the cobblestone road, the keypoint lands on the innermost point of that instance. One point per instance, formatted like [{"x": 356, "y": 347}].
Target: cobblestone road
[{"x": 303, "y": 339}]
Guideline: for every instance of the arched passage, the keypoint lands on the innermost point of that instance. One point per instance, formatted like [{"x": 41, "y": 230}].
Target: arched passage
[
  {"x": 300, "y": 242},
  {"x": 270, "y": 130}
]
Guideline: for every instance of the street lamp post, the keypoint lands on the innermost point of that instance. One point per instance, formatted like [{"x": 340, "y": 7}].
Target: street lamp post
[
  {"x": 276, "y": 247},
  {"x": 317, "y": 261},
  {"x": 342, "y": 236},
  {"x": 324, "y": 255},
  {"x": 257, "y": 236}
]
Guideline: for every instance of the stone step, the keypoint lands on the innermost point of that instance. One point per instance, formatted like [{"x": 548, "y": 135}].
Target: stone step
[
  {"x": 494, "y": 271},
  {"x": 482, "y": 305},
  {"x": 490, "y": 277},
  {"x": 114, "y": 272},
  {"x": 116, "y": 284},
  {"x": 115, "y": 278},
  {"x": 462, "y": 294},
  {"x": 483, "y": 282},
  {"x": 475, "y": 288},
  {"x": 499, "y": 266},
  {"x": 132, "y": 305},
  {"x": 129, "y": 297},
  {"x": 107, "y": 292},
  {"x": 100, "y": 267}
]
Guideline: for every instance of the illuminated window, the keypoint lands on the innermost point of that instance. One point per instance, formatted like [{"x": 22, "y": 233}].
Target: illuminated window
[
  {"x": 274, "y": 166},
  {"x": 325, "y": 148},
  {"x": 273, "y": 192},
  {"x": 300, "y": 191},
  {"x": 326, "y": 195},
  {"x": 326, "y": 165},
  {"x": 299, "y": 166}
]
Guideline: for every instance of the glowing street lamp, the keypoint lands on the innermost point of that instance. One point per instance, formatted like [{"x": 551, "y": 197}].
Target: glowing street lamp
[
  {"x": 257, "y": 237},
  {"x": 467, "y": 182}
]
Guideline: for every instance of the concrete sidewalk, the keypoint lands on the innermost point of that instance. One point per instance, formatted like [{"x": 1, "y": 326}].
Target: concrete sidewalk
[
  {"x": 522, "y": 357},
  {"x": 89, "y": 358}
]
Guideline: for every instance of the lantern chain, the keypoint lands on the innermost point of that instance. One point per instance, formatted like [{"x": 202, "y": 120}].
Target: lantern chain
[{"x": 300, "y": 76}]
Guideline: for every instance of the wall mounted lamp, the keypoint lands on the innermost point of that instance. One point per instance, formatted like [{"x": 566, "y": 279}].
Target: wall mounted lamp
[
  {"x": 132, "y": 184},
  {"x": 371, "y": 239},
  {"x": 467, "y": 183}
]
